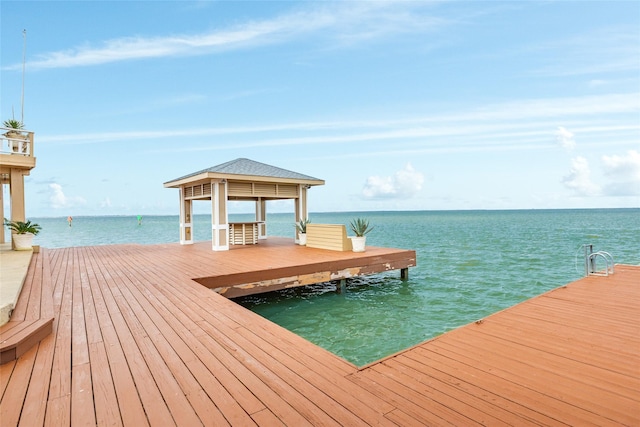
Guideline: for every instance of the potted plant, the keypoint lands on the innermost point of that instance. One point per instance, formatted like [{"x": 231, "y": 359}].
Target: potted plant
[
  {"x": 360, "y": 226},
  {"x": 23, "y": 233},
  {"x": 14, "y": 134},
  {"x": 301, "y": 226}
]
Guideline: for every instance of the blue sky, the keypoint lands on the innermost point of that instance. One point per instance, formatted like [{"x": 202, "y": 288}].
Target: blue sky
[{"x": 396, "y": 105}]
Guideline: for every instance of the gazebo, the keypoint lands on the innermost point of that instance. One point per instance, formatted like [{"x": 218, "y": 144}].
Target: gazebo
[{"x": 245, "y": 180}]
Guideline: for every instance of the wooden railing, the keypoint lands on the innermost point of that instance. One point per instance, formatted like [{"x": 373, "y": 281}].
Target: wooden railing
[{"x": 16, "y": 142}]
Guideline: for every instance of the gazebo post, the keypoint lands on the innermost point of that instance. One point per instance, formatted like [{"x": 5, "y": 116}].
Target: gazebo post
[
  {"x": 261, "y": 217},
  {"x": 16, "y": 193},
  {"x": 219, "y": 217},
  {"x": 186, "y": 213},
  {"x": 301, "y": 212},
  {"x": 16, "y": 190}
]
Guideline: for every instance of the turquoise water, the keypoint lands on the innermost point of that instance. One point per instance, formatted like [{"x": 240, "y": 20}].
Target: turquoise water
[{"x": 470, "y": 264}]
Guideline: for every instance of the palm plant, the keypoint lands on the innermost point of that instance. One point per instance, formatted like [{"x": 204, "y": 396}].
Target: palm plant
[
  {"x": 13, "y": 124},
  {"x": 360, "y": 226},
  {"x": 23, "y": 227},
  {"x": 302, "y": 225}
]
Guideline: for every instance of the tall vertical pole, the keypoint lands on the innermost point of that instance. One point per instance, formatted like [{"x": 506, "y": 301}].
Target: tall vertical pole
[{"x": 24, "y": 61}]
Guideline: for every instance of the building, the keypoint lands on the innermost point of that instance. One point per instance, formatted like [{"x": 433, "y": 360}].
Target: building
[{"x": 16, "y": 161}]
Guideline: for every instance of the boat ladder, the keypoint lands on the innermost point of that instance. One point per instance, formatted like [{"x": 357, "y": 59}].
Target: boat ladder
[{"x": 591, "y": 261}]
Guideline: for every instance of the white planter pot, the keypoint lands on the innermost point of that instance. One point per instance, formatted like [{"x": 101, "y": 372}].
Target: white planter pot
[
  {"x": 16, "y": 139},
  {"x": 302, "y": 239},
  {"x": 22, "y": 242},
  {"x": 358, "y": 243}
]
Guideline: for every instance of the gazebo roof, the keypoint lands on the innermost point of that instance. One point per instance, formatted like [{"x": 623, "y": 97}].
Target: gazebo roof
[{"x": 245, "y": 170}]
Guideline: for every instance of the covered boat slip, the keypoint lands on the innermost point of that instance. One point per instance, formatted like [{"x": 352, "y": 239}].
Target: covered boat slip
[{"x": 137, "y": 342}]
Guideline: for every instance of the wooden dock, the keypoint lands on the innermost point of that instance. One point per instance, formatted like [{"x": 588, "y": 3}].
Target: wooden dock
[
  {"x": 137, "y": 342},
  {"x": 276, "y": 264}
]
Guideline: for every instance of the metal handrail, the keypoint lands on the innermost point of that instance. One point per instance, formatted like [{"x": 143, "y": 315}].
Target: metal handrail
[{"x": 592, "y": 260}]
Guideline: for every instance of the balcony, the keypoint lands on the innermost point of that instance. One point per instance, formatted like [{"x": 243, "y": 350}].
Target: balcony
[{"x": 16, "y": 150}]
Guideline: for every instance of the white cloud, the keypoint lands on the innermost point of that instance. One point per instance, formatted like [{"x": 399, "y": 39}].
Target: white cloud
[
  {"x": 59, "y": 200},
  {"x": 625, "y": 168},
  {"x": 579, "y": 178},
  {"x": 405, "y": 183},
  {"x": 500, "y": 124},
  {"x": 624, "y": 172},
  {"x": 565, "y": 138},
  {"x": 602, "y": 50},
  {"x": 345, "y": 22}
]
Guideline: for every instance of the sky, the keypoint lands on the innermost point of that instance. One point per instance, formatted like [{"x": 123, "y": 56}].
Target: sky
[{"x": 397, "y": 105}]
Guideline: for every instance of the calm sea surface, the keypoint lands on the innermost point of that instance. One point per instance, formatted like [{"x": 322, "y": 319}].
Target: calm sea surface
[{"x": 470, "y": 264}]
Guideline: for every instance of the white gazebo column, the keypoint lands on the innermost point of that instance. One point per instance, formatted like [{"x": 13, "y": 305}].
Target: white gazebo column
[
  {"x": 186, "y": 215},
  {"x": 16, "y": 193},
  {"x": 2, "y": 237},
  {"x": 261, "y": 217},
  {"x": 219, "y": 217},
  {"x": 301, "y": 212}
]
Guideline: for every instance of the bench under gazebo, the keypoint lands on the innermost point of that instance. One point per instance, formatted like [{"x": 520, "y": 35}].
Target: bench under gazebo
[{"x": 239, "y": 180}]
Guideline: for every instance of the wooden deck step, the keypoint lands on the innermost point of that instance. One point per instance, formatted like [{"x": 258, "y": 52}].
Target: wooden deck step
[{"x": 32, "y": 318}]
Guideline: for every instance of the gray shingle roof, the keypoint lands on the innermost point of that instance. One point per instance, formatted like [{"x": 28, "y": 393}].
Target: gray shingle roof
[{"x": 250, "y": 167}]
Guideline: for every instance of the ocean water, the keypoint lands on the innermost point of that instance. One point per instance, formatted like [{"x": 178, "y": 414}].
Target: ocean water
[{"x": 470, "y": 264}]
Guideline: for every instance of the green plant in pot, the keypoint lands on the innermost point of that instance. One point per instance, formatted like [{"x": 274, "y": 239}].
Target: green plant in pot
[
  {"x": 301, "y": 226},
  {"x": 14, "y": 134},
  {"x": 23, "y": 233},
  {"x": 361, "y": 227},
  {"x": 13, "y": 124}
]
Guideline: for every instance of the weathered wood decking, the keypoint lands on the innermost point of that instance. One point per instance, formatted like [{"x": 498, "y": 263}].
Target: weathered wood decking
[{"x": 137, "y": 342}]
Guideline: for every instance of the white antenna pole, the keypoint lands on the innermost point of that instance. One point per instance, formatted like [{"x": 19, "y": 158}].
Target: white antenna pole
[{"x": 24, "y": 57}]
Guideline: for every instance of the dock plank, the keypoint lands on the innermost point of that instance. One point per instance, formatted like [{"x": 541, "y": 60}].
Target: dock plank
[
  {"x": 130, "y": 336},
  {"x": 185, "y": 345},
  {"x": 13, "y": 399},
  {"x": 423, "y": 371},
  {"x": 114, "y": 376},
  {"x": 33, "y": 410},
  {"x": 6, "y": 370}
]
